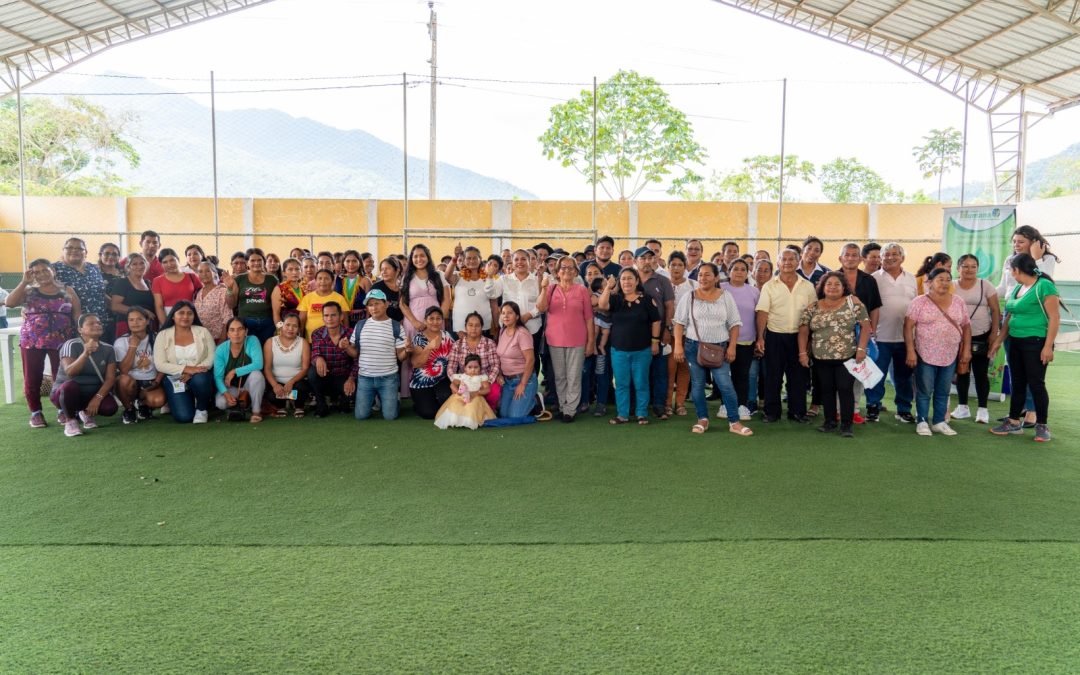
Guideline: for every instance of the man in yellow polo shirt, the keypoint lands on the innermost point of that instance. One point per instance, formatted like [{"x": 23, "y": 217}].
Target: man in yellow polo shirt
[{"x": 779, "y": 311}]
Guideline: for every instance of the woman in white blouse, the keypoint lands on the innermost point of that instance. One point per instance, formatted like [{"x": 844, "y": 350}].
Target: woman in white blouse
[{"x": 184, "y": 351}]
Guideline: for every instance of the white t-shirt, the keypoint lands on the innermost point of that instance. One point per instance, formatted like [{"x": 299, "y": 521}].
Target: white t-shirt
[
  {"x": 378, "y": 347},
  {"x": 144, "y": 354},
  {"x": 896, "y": 295}
]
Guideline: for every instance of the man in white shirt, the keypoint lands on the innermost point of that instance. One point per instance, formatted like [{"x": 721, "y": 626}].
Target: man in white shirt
[{"x": 897, "y": 289}]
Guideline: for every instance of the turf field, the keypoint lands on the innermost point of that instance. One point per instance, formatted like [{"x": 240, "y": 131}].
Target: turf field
[{"x": 330, "y": 545}]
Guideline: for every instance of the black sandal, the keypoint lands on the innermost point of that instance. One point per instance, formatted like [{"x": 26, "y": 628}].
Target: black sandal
[
  {"x": 618, "y": 420},
  {"x": 642, "y": 421}
]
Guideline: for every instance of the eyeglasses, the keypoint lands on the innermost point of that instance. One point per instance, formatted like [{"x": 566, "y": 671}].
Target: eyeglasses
[{"x": 74, "y": 248}]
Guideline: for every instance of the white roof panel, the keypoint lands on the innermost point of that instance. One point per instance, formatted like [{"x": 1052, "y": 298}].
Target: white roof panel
[
  {"x": 999, "y": 48},
  {"x": 42, "y": 37}
]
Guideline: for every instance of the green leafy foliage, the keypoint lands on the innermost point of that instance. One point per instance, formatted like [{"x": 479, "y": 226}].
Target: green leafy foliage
[
  {"x": 939, "y": 153},
  {"x": 641, "y": 138},
  {"x": 847, "y": 180},
  {"x": 758, "y": 180},
  {"x": 71, "y": 148}
]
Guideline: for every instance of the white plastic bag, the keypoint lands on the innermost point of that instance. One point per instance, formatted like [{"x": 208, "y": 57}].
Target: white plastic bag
[{"x": 866, "y": 372}]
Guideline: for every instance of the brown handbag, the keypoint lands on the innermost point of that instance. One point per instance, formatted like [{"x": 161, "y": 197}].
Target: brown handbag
[{"x": 708, "y": 355}]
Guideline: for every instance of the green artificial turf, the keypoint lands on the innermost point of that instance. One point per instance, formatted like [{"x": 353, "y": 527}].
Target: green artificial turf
[{"x": 339, "y": 545}]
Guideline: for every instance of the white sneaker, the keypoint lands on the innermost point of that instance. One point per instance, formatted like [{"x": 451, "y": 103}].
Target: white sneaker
[
  {"x": 982, "y": 416},
  {"x": 201, "y": 416},
  {"x": 744, "y": 413},
  {"x": 944, "y": 428},
  {"x": 962, "y": 412},
  {"x": 923, "y": 429},
  {"x": 71, "y": 428},
  {"x": 165, "y": 409},
  {"x": 721, "y": 413},
  {"x": 87, "y": 420}
]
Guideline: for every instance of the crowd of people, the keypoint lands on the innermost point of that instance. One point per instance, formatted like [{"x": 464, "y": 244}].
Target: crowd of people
[{"x": 471, "y": 339}]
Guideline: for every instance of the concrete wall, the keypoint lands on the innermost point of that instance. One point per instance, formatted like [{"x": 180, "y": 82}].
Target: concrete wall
[{"x": 377, "y": 226}]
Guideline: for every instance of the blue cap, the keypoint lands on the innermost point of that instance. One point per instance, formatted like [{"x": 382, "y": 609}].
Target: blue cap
[
  {"x": 643, "y": 250},
  {"x": 374, "y": 294}
]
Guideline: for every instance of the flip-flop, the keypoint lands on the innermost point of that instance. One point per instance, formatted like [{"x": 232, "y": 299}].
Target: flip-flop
[
  {"x": 642, "y": 421},
  {"x": 700, "y": 428},
  {"x": 741, "y": 431},
  {"x": 618, "y": 420},
  {"x": 255, "y": 419}
]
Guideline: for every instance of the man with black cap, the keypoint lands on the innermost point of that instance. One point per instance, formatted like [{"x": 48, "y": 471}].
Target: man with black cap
[
  {"x": 658, "y": 288},
  {"x": 543, "y": 250}
]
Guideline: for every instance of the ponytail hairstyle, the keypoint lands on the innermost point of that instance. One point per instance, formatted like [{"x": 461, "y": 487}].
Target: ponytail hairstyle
[
  {"x": 1024, "y": 263},
  {"x": 933, "y": 261}
]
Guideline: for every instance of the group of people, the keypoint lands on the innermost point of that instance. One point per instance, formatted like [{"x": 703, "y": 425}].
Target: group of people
[{"x": 471, "y": 339}]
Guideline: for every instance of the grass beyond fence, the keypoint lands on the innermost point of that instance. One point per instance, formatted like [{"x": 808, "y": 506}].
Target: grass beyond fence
[{"x": 338, "y": 545}]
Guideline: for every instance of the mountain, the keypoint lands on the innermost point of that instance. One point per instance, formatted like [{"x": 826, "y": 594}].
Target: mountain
[
  {"x": 1053, "y": 176},
  {"x": 262, "y": 152}
]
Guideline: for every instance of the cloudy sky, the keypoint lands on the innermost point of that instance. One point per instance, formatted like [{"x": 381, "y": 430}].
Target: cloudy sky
[{"x": 841, "y": 102}]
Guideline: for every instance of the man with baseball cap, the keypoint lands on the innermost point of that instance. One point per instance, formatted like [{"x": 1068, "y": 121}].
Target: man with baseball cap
[{"x": 658, "y": 288}]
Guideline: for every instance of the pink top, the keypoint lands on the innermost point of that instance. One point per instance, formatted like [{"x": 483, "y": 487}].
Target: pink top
[
  {"x": 569, "y": 312},
  {"x": 937, "y": 340},
  {"x": 173, "y": 292},
  {"x": 511, "y": 350}
]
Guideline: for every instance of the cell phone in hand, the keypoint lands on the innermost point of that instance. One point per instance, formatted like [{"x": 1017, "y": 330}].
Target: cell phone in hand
[{"x": 293, "y": 394}]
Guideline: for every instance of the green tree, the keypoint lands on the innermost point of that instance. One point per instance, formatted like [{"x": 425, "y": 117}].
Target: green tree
[
  {"x": 71, "y": 147},
  {"x": 758, "y": 180},
  {"x": 845, "y": 181},
  {"x": 640, "y": 137},
  {"x": 939, "y": 153}
]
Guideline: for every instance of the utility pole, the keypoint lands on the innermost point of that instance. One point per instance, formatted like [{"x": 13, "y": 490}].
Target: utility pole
[{"x": 432, "y": 28}]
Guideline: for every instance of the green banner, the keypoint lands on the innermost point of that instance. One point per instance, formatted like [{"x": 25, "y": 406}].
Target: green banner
[{"x": 985, "y": 231}]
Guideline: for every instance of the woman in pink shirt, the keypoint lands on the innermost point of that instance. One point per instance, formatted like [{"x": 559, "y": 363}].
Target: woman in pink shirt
[
  {"x": 937, "y": 334},
  {"x": 570, "y": 332},
  {"x": 516, "y": 359}
]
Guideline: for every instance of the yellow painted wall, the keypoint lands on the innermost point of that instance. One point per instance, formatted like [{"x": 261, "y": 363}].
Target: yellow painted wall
[
  {"x": 182, "y": 221},
  {"x": 897, "y": 222}
]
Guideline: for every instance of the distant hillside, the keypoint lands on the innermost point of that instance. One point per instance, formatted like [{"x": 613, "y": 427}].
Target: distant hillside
[
  {"x": 1054, "y": 176},
  {"x": 265, "y": 153}
]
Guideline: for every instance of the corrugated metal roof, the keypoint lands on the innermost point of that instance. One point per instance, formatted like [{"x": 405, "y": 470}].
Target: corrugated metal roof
[
  {"x": 41, "y": 37},
  {"x": 985, "y": 50}
]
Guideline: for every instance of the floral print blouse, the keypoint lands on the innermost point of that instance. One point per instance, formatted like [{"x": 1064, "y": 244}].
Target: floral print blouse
[
  {"x": 47, "y": 321},
  {"x": 214, "y": 311},
  {"x": 832, "y": 331}
]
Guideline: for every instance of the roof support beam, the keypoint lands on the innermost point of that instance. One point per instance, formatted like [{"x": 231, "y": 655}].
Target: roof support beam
[
  {"x": 996, "y": 34},
  {"x": 53, "y": 15},
  {"x": 39, "y": 61},
  {"x": 946, "y": 22},
  {"x": 1053, "y": 16}
]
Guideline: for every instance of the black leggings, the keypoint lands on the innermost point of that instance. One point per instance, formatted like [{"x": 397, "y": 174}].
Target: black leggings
[
  {"x": 427, "y": 401},
  {"x": 740, "y": 374},
  {"x": 980, "y": 368},
  {"x": 833, "y": 379},
  {"x": 1028, "y": 374}
]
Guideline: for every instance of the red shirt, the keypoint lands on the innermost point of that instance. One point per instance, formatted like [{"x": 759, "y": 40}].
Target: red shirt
[{"x": 173, "y": 292}]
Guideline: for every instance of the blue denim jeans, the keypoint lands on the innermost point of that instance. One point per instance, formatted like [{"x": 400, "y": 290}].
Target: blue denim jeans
[
  {"x": 894, "y": 353},
  {"x": 198, "y": 394},
  {"x": 932, "y": 382},
  {"x": 521, "y": 407},
  {"x": 592, "y": 381},
  {"x": 755, "y": 374},
  {"x": 386, "y": 386},
  {"x": 721, "y": 378},
  {"x": 631, "y": 368},
  {"x": 263, "y": 329}
]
